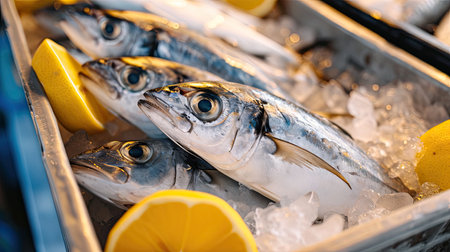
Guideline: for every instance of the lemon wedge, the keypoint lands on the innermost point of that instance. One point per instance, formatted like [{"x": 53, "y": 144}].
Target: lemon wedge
[
  {"x": 72, "y": 104},
  {"x": 180, "y": 220},
  {"x": 434, "y": 159},
  {"x": 258, "y": 8},
  {"x": 32, "y": 5}
]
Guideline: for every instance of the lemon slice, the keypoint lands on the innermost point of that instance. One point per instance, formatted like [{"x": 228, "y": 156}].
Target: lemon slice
[
  {"x": 72, "y": 104},
  {"x": 180, "y": 220},
  {"x": 434, "y": 159},
  {"x": 32, "y": 5},
  {"x": 258, "y": 8}
]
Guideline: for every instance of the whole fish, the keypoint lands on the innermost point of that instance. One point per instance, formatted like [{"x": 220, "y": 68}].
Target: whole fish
[
  {"x": 266, "y": 143},
  {"x": 123, "y": 173},
  {"x": 119, "y": 82},
  {"x": 109, "y": 33},
  {"x": 216, "y": 19}
]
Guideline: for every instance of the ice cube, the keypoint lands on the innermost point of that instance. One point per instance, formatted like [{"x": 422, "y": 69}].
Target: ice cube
[
  {"x": 372, "y": 214},
  {"x": 304, "y": 88},
  {"x": 249, "y": 219},
  {"x": 427, "y": 190},
  {"x": 361, "y": 206},
  {"x": 371, "y": 195},
  {"x": 408, "y": 148},
  {"x": 332, "y": 225},
  {"x": 359, "y": 105},
  {"x": 283, "y": 228},
  {"x": 377, "y": 151},
  {"x": 394, "y": 201},
  {"x": 335, "y": 97},
  {"x": 364, "y": 128},
  {"x": 307, "y": 206},
  {"x": 240, "y": 207},
  {"x": 405, "y": 171}
]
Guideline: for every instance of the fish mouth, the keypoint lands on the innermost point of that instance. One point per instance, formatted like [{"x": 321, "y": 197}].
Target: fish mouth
[
  {"x": 154, "y": 105},
  {"x": 73, "y": 26},
  {"x": 97, "y": 83},
  {"x": 83, "y": 31},
  {"x": 111, "y": 173}
]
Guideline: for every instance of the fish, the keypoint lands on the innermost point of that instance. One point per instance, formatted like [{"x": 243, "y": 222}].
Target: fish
[
  {"x": 118, "y": 83},
  {"x": 217, "y": 19},
  {"x": 111, "y": 33},
  {"x": 271, "y": 145},
  {"x": 124, "y": 172}
]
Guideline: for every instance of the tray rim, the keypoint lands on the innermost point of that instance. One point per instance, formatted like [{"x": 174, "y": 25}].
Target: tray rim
[{"x": 77, "y": 228}]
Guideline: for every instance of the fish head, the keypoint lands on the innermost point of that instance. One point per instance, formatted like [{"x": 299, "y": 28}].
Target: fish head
[
  {"x": 119, "y": 82},
  {"x": 101, "y": 35},
  {"x": 219, "y": 122},
  {"x": 125, "y": 172}
]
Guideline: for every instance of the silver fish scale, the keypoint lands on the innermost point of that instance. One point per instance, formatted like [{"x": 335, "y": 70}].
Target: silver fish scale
[
  {"x": 190, "y": 52},
  {"x": 293, "y": 124}
]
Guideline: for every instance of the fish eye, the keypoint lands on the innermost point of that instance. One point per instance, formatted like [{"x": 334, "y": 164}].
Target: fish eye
[
  {"x": 134, "y": 78},
  {"x": 110, "y": 28},
  {"x": 206, "y": 106},
  {"x": 136, "y": 152}
]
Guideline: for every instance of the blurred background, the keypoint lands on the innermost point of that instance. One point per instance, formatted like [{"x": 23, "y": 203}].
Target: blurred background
[{"x": 24, "y": 203}]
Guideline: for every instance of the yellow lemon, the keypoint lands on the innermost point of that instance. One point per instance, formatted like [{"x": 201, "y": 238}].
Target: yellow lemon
[
  {"x": 32, "y": 5},
  {"x": 180, "y": 220},
  {"x": 74, "y": 107},
  {"x": 258, "y": 8},
  {"x": 434, "y": 159}
]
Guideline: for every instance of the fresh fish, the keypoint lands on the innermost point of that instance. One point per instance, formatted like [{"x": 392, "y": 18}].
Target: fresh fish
[
  {"x": 123, "y": 173},
  {"x": 266, "y": 143},
  {"x": 215, "y": 19},
  {"x": 118, "y": 83},
  {"x": 416, "y": 12},
  {"x": 109, "y": 33},
  {"x": 423, "y": 12}
]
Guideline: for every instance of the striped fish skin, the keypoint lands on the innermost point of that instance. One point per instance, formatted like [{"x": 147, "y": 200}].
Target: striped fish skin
[
  {"x": 123, "y": 173},
  {"x": 110, "y": 33},
  {"x": 118, "y": 83},
  {"x": 266, "y": 143}
]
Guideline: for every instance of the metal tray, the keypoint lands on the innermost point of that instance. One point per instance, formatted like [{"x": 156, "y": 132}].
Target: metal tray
[
  {"x": 419, "y": 226},
  {"x": 401, "y": 34},
  {"x": 424, "y": 224}
]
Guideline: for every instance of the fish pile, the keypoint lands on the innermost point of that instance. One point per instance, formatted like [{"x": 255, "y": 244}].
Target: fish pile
[{"x": 217, "y": 116}]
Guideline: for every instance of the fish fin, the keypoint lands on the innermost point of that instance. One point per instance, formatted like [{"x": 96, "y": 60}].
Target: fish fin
[{"x": 296, "y": 155}]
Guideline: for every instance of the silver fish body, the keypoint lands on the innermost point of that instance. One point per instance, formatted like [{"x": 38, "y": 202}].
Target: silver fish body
[
  {"x": 123, "y": 173},
  {"x": 216, "y": 18},
  {"x": 270, "y": 145},
  {"x": 110, "y": 33},
  {"x": 119, "y": 82}
]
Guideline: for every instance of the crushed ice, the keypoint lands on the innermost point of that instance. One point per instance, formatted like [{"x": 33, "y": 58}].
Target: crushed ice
[
  {"x": 383, "y": 120},
  {"x": 291, "y": 226}
]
